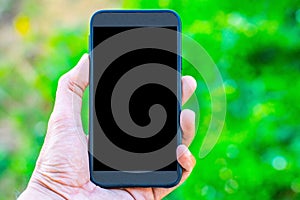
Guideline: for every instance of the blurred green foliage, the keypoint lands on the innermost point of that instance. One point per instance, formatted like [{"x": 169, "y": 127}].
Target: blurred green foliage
[{"x": 256, "y": 46}]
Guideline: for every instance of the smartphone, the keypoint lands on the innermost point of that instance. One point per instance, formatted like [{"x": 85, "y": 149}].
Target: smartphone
[{"x": 135, "y": 98}]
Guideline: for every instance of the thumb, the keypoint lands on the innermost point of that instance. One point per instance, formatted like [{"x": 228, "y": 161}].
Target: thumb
[{"x": 70, "y": 91}]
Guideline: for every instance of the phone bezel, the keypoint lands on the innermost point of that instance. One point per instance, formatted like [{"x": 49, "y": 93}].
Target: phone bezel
[{"x": 127, "y": 18}]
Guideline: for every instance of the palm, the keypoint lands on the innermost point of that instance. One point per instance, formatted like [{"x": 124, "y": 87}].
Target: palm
[{"x": 64, "y": 158}]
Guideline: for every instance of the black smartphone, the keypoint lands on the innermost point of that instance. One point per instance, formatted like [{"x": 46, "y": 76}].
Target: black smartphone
[{"x": 135, "y": 98}]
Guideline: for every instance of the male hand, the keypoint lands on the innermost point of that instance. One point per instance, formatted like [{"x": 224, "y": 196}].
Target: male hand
[{"x": 62, "y": 169}]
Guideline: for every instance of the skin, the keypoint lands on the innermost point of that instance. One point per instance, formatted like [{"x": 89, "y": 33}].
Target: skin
[{"x": 62, "y": 168}]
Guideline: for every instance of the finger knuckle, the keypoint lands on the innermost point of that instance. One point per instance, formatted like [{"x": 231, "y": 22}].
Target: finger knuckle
[
  {"x": 71, "y": 84},
  {"x": 59, "y": 122}
]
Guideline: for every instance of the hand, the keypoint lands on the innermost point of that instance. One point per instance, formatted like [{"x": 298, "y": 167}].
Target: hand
[{"x": 62, "y": 169}]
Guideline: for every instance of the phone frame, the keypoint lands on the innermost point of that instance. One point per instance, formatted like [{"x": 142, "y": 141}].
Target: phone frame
[{"x": 151, "y": 18}]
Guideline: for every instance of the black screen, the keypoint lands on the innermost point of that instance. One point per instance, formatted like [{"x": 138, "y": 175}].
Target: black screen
[{"x": 140, "y": 102}]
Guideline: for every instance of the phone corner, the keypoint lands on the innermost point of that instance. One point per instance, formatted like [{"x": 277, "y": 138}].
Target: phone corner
[
  {"x": 175, "y": 14},
  {"x": 179, "y": 175},
  {"x": 176, "y": 181},
  {"x": 93, "y": 16}
]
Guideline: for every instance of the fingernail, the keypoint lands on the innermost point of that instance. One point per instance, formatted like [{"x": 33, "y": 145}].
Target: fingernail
[
  {"x": 190, "y": 115},
  {"x": 191, "y": 83},
  {"x": 180, "y": 150},
  {"x": 194, "y": 83}
]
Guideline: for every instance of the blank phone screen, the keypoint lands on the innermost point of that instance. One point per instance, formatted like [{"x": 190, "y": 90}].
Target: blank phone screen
[{"x": 136, "y": 106}]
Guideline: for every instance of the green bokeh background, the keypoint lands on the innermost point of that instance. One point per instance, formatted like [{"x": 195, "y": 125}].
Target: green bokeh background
[{"x": 255, "y": 44}]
